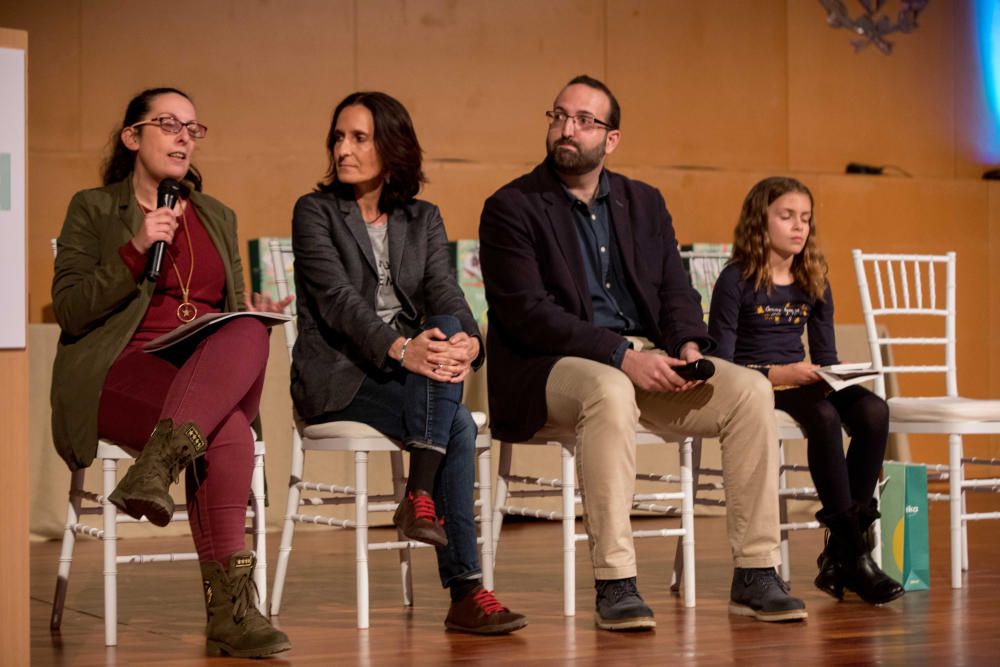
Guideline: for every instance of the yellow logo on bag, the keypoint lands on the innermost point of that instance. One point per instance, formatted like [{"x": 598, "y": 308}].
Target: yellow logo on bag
[{"x": 897, "y": 544}]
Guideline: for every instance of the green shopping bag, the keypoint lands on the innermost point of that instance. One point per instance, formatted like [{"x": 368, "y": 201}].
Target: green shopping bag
[{"x": 905, "y": 538}]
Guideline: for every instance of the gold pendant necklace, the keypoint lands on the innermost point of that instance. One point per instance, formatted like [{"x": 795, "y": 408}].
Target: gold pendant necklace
[{"x": 187, "y": 311}]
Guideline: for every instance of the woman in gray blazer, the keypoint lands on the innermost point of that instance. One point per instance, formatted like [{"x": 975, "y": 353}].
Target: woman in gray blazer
[{"x": 386, "y": 337}]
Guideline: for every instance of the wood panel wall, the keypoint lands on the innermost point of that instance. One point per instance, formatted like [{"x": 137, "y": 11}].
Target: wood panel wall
[{"x": 715, "y": 94}]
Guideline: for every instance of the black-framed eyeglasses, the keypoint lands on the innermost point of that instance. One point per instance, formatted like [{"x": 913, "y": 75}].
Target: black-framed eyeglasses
[
  {"x": 583, "y": 121},
  {"x": 170, "y": 124}
]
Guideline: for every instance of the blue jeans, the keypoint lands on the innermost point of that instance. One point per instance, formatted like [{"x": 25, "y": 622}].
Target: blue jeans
[{"x": 425, "y": 413}]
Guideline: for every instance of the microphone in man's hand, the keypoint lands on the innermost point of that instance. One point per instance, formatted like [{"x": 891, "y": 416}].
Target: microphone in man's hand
[
  {"x": 167, "y": 194},
  {"x": 696, "y": 370}
]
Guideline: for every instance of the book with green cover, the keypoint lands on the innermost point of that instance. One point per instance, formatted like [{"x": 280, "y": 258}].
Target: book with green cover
[
  {"x": 465, "y": 261},
  {"x": 261, "y": 268},
  {"x": 703, "y": 263}
]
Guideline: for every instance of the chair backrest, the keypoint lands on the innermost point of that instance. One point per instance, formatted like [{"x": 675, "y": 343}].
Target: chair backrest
[
  {"x": 704, "y": 262},
  {"x": 912, "y": 287},
  {"x": 281, "y": 257}
]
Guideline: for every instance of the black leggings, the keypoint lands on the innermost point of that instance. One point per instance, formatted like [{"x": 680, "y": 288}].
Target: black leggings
[{"x": 840, "y": 481}]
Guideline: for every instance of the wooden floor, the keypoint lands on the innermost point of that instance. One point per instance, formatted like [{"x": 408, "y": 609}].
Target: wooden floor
[{"x": 162, "y": 617}]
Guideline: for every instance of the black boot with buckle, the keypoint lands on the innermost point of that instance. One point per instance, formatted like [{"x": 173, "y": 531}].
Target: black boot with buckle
[{"x": 145, "y": 488}]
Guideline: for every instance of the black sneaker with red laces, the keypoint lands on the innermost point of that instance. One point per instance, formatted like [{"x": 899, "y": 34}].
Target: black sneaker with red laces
[
  {"x": 480, "y": 613},
  {"x": 417, "y": 519}
]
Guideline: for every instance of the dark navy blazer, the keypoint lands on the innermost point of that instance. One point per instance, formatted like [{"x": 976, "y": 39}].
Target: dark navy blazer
[{"x": 536, "y": 289}]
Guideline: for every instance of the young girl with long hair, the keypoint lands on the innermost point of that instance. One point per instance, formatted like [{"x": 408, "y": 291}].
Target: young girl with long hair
[{"x": 773, "y": 288}]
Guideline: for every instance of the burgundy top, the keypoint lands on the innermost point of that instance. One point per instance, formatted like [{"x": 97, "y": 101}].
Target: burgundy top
[{"x": 208, "y": 282}]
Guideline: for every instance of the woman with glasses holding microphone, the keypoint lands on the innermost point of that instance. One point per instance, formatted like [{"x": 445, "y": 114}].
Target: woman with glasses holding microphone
[{"x": 197, "y": 398}]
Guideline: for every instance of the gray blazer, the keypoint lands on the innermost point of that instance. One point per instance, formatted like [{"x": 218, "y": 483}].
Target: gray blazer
[{"x": 341, "y": 338}]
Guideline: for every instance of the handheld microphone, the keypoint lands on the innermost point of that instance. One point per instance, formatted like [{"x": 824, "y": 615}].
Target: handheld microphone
[
  {"x": 702, "y": 369},
  {"x": 167, "y": 194}
]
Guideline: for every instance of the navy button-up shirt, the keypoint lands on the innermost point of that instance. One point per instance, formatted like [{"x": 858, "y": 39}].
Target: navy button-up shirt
[{"x": 613, "y": 305}]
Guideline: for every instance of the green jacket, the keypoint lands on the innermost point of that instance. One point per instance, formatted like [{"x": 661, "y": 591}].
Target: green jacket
[{"x": 99, "y": 305}]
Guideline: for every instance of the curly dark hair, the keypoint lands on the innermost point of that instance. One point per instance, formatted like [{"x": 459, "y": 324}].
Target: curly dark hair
[
  {"x": 397, "y": 146},
  {"x": 751, "y": 247},
  {"x": 121, "y": 161}
]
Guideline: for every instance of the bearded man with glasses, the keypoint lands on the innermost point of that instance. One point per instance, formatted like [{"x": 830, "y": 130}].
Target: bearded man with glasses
[{"x": 590, "y": 311}]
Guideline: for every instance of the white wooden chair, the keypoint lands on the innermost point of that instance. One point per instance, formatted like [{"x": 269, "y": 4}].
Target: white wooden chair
[
  {"x": 110, "y": 455},
  {"x": 360, "y": 440},
  {"x": 704, "y": 263},
  {"x": 566, "y": 489},
  {"x": 917, "y": 289}
]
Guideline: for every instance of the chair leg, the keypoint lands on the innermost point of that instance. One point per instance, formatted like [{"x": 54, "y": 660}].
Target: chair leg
[
  {"x": 484, "y": 457},
  {"x": 786, "y": 569},
  {"x": 259, "y": 538},
  {"x": 955, "y": 505},
  {"x": 68, "y": 542},
  {"x": 965, "y": 531},
  {"x": 503, "y": 475},
  {"x": 110, "y": 515},
  {"x": 405, "y": 562},
  {"x": 679, "y": 555},
  {"x": 361, "y": 536},
  {"x": 965, "y": 524},
  {"x": 569, "y": 529},
  {"x": 687, "y": 520},
  {"x": 288, "y": 528}
]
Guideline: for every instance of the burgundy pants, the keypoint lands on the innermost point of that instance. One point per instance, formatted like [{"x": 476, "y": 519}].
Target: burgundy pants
[{"x": 217, "y": 385}]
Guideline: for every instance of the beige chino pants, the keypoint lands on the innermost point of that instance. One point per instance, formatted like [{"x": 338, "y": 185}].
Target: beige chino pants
[{"x": 602, "y": 406}]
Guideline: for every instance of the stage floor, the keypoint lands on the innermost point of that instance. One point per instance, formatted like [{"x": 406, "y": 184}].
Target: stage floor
[{"x": 162, "y": 618}]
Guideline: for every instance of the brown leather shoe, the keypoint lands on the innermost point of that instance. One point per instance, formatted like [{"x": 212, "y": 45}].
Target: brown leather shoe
[
  {"x": 417, "y": 519},
  {"x": 480, "y": 613}
]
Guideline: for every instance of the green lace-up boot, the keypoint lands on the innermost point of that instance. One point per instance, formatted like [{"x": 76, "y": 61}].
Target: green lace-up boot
[
  {"x": 145, "y": 488},
  {"x": 235, "y": 626}
]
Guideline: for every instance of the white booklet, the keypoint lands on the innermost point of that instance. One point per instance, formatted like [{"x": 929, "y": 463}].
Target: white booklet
[
  {"x": 839, "y": 376},
  {"x": 204, "y": 324}
]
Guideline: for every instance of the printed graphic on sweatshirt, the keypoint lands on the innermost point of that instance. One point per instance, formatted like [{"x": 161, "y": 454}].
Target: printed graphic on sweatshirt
[{"x": 789, "y": 313}]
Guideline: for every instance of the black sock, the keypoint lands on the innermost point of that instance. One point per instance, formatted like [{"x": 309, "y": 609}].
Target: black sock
[
  {"x": 424, "y": 464},
  {"x": 462, "y": 588}
]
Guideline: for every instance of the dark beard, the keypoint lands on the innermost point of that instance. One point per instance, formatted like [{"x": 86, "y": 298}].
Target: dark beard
[{"x": 574, "y": 164}]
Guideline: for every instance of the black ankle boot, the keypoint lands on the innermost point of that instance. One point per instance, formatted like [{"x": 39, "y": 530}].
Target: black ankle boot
[
  {"x": 846, "y": 561},
  {"x": 830, "y": 580},
  {"x": 870, "y": 582}
]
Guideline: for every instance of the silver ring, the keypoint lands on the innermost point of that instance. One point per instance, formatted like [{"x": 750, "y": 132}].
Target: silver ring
[{"x": 440, "y": 366}]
